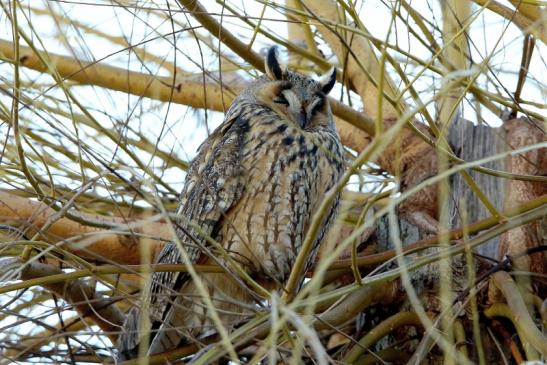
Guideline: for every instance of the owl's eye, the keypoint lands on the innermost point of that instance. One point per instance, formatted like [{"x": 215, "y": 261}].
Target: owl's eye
[
  {"x": 318, "y": 104},
  {"x": 281, "y": 100}
]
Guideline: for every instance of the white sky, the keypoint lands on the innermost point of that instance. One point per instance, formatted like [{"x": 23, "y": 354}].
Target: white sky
[
  {"x": 184, "y": 128},
  {"x": 184, "y": 132}
]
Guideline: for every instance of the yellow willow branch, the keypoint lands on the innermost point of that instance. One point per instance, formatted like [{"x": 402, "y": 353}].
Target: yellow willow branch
[
  {"x": 356, "y": 53},
  {"x": 202, "y": 15},
  {"x": 189, "y": 91},
  {"x": 300, "y": 33},
  {"x": 385, "y": 327},
  {"x": 121, "y": 245},
  {"x": 123, "y": 249},
  {"x": 519, "y": 313},
  {"x": 524, "y": 23},
  {"x": 532, "y": 12},
  {"x": 36, "y": 275},
  {"x": 81, "y": 296},
  {"x": 455, "y": 13},
  {"x": 144, "y": 55}
]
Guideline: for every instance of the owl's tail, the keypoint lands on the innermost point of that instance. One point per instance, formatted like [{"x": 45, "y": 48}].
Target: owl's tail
[
  {"x": 167, "y": 338},
  {"x": 130, "y": 338}
]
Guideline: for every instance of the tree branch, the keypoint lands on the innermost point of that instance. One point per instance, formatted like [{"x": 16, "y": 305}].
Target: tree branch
[
  {"x": 189, "y": 90},
  {"x": 526, "y": 18},
  {"x": 93, "y": 243},
  {"x": 81, "y": 296}
]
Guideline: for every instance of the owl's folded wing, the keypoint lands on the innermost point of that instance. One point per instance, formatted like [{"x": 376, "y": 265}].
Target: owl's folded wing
[{"x": 213, "y": 184}]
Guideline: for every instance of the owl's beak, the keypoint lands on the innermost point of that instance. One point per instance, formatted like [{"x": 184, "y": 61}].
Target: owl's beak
[{"x": 302, "y": 119}]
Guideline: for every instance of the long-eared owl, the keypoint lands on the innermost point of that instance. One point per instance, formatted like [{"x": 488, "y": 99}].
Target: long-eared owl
[{"x": 252, "y": 188}]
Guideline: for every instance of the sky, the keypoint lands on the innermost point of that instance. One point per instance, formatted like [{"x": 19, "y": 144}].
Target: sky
[
  {"x": 181, "y": 130},
  {"x": 184, "y": 129}
]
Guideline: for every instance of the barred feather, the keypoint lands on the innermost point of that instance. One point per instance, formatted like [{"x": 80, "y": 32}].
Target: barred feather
[{"x": 253, "y": 187}]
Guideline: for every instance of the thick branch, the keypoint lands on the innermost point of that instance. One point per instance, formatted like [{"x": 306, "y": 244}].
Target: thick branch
[
  {"x": 225, "y": 37},
  {"x": 81, "y": 296},
  {"x": 352, "y": 137},
  {"x": 526, "y": 19},
  {"x": 455, "y": 15},
  {"x": 191, "y": 90},
  {"x": 519, "y": 133},
  {"x": 121, "y": 245},
  {"x": 32, "y": 215},
  {"x": 520, "y": 315},
  {"x": 358, "y": 58}
]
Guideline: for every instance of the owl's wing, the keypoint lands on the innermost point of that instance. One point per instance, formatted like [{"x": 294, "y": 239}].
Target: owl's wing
[{"x": 213, "y": 185}]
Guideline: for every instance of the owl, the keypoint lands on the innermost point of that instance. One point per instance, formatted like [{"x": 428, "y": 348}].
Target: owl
[{"x": 248, "y": 200}]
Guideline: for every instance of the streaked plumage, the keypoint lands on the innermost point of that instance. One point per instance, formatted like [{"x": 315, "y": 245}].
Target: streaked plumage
[{"x": 253, "y": 188}]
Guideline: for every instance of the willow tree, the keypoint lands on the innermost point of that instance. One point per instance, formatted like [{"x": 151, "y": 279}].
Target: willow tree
[{"x": 438, "y": 252}]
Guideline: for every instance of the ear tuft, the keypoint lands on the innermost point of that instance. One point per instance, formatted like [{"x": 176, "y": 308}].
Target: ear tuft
[
  {"x": 328, "y": 80},
  {"x": 272, "y": 65}
]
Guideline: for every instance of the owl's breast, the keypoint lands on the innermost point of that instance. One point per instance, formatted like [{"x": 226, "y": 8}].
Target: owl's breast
[{"x": 287, "y": 174}]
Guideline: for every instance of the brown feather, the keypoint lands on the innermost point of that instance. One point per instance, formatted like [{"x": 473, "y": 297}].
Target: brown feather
[{"x": 253, "y": 187}]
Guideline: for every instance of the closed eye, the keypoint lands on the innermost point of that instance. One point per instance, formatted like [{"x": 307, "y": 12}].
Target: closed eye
[
  {"x": 280, "y": 99},
  {"x": 317, "y": 105}
]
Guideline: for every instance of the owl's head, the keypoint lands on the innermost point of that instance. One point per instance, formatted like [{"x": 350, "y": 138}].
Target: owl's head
[{"x": 298, "y": 98}]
